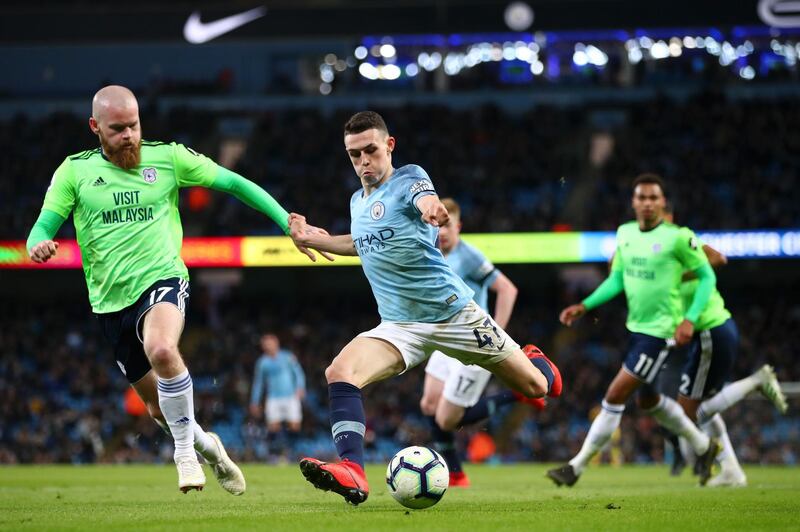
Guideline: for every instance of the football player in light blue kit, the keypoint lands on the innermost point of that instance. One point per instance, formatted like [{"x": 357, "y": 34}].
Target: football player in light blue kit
[
  {"x": 452, "y": 391},
  {"x": 424, "y": 306},
  {"x": 280, "y": 380}
]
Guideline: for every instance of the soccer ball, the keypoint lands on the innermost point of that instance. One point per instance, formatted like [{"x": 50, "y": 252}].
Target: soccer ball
[{"x": 417, "y": 477}]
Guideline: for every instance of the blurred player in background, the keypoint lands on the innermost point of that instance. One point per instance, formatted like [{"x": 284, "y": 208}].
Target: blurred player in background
[
  {"x": 650, "y": 258},
  {"x": 124, "y": 199},
  {"x": 280, "y": 380},
  {"x": 424, "y": 306},
  {"x": 710, "y": 358},
  {"x": 452, "y": 390}
]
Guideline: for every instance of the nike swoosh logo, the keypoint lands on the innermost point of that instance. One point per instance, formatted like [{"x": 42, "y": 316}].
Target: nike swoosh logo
[{"x": 197, "y": 32}]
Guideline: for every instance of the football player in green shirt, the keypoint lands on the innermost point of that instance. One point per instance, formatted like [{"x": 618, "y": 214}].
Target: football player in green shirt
[
  {"x": 649, "y": 261},
  {"x": 124, "y": 200},
  {"x": 703, "y": 393}
]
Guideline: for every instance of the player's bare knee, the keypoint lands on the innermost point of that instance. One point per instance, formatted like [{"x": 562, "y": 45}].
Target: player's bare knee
[
  {"x": 162, "y": 354},
  {"x": 337, "y": 372}
]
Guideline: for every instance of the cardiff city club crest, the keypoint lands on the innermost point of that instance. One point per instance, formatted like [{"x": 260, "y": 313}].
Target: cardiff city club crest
[
  {"x": 149, "y": 175},
  {"x": 377, "y": 210}
]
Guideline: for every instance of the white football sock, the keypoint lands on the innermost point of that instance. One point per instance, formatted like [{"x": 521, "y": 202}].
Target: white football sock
[
  {"x": 727, "y": 457},
  {"x": 203, "y": 443},
  {"x": 600, "y": 432},
  {"x": 176, "y": 399},
  {"x": 686, "y": 450},
  {"x": 727, "y": 397},
  {"x": 671, "y": 416}
]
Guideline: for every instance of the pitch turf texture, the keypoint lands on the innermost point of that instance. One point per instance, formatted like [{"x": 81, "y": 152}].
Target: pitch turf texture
[{"x": 502, "y": 498}]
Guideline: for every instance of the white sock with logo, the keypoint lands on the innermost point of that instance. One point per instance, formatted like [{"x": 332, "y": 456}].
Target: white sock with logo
[
  {"x": 600, "y": 432},
  {"x": 671, "y": 416},
  {"x": 176, "y": 399},
  {"x": 203, "y": 443}
]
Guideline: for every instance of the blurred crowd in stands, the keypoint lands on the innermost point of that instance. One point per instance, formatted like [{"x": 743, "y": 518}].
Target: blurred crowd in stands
[
  {"x": 728, "y": 164},
  {"x": 62, "y": 397}
]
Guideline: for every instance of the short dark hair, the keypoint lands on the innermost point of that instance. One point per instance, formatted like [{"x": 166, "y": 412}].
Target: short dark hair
[
  {"x": 649, "y": 179},
  {"x": 364, "y": 120}
]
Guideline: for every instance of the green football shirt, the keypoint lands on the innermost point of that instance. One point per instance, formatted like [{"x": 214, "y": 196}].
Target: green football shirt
[
  {"x": 652, "y": 263},
  {"x": 715, "y": 313},
  {"x": 127, "y": 221}
]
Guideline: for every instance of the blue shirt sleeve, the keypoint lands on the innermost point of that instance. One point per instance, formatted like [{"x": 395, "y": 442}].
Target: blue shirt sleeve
[
  {"x": 416, "y": 185},
  {"x": 299, "y": 375},
  {"x": 258, "y": 383},
  {"x": 480, "y": 270}
]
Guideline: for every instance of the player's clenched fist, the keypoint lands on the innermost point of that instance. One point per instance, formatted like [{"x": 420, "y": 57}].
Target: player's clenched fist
[
  {"x": 436, "y": 214},
  {"x": 684, "y": 332},
  {"x": 299, "y": 230},
  {"x": 570, "y": 314},
  {"x": 43, "y": 251}
]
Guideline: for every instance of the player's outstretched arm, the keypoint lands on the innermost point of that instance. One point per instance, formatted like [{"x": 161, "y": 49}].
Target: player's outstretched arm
[
  {"x": 608, "y": 290},
  {"x": 40, "y": 245},
  {"x": 571, "y": 314},
  {"x": 308, "y": 236},
  {"x": 717, "y": 259},
  {"x": 251, "y": 195},
  {"x": 259, "y": 199},
  {"x": 433, "y": 211}
]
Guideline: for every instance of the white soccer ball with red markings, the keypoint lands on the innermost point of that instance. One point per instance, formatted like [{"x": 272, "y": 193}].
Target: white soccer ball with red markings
[{"x": 417, "y": 477}]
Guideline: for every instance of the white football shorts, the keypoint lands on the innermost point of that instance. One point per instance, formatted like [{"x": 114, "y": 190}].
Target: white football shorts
[
  {"x": 470, "y": 336},
  {"x": 282, "y": 409},
  {"x": 463, "y": 385}
]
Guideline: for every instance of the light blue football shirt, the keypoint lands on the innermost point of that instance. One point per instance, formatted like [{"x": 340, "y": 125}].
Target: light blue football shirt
[
  {"x": 410, "y": 279},
  {"x": 476, "y": 270},
  {"x": 281, "y": 375}
]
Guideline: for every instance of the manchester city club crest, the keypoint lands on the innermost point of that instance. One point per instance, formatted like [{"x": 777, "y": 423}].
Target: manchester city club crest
[
  {"x": 149, "y": 175},
  {"x": 377, "y": 210},
  {"x": 656, "y": 248}
]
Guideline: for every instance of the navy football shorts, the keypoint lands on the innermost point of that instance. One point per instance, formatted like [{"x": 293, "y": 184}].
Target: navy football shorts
[{"x": 123, "y": 328}]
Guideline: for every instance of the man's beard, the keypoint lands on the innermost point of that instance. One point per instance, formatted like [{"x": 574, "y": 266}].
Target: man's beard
[{"x": 126, "y": 157}]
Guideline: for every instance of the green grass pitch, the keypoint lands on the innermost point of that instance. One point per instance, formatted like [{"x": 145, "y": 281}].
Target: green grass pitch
[{"x": 516, "y": 497}]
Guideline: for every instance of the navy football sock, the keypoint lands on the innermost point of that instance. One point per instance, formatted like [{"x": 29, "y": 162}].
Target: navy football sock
[
  {"x": 444, "y": 442},
  {"x": 486, "y": 407},
  {"x": 542, "y": 365},
  {"x": 347, "y": 421}
]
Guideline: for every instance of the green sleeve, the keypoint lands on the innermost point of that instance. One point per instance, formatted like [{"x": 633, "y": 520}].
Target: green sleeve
[
  {"x": 689, "y": 250},
  {"x": 616, "y": 261},
  {"x": 252, "y": 195},
  {"x": 608, "y": 290},
  {"x": 45, "y": 228},
  {"x": 60, "y": 195},
  {"x": 708, "y": 281},
  {"x": 193, "y": 169}
]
